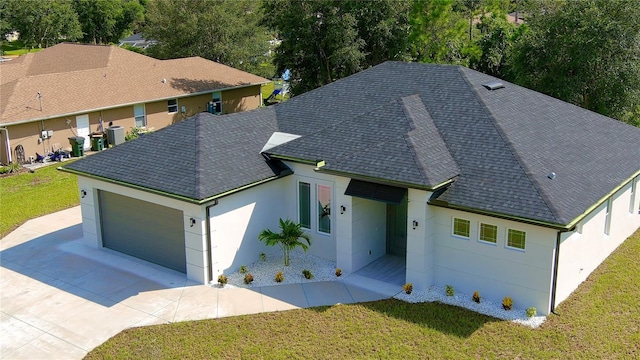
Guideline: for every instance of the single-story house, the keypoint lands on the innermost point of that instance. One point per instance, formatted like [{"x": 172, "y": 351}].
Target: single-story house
[
  {"x": 477, "y": 183},
  {"x": 76, "y": 89}
]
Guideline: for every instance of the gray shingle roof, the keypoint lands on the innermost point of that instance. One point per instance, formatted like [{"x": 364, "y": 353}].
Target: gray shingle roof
[{"x": 410, "y": 123}]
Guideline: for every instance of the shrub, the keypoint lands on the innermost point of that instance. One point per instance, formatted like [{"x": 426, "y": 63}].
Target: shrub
[
  {"x": 307, "y": 274},
  {"x": 338, "y": 272},
  {"x": 263, "y": 256},
  {"x": 408, "y": 288},
  {"x": 279, "y": 277},
  {"x": 136, "y": 132},
  {"x": 476, "y": 297},
  {"x": 449, "y": 290},
  {"x": 288, "y": 238},
  {"x": 507, "y": 303},
  {"x": 243, "y": 269},
  {"x": 248, "y": 279},
  {"x": 222, "y": 280},
  {"x": 531, "y": 312}
]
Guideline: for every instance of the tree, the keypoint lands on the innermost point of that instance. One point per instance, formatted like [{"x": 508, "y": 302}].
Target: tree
[
  {"x": 108, "y": 21},
  {"x": 583, "y": 52},
  {"x": 495, "y": 44},
  {"x": 226, "y": 31},
  {"x": 288, "y": 238},
  {"x": 322, "y": 41},
  {"x": 42, "y": 22}
]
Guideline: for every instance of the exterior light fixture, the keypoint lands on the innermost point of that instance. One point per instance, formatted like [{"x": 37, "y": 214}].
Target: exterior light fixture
[
  {"x": 342, "y": 209},
  {"x": 83, "y": 193},
  {"x": 192, "y": 222},
  {"x": 415, "y": 224}
]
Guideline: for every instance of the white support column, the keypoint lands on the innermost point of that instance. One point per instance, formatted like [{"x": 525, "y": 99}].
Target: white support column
[
  {"x": 420, "y": 240},
  {"x": 195, "y": 238}
]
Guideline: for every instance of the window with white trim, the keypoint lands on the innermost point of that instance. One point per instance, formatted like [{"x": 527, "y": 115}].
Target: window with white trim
[
  {"x": 172, "y": 106},
  {"x": 516, "y": 239},
  {"x": 304, "y": 204},
  {"x": 318, "y": 216},
  {"x": 607, "y": 218},
  {"x": 461, "y": 227},
  {"x": 488, "y": 233},
  {"x": 139, "y": 115}
]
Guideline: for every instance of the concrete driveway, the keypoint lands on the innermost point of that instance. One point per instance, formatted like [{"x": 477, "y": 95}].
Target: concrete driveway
[{"x": 59, "y": 298}]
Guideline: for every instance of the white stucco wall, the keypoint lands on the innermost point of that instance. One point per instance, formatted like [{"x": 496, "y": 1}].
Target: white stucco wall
[
  {"x": 420, "y": 241},
  {"x": 494, "y": 270},
  {"x": 195, "y": 236},
  {"x": 236, "y": 221},
  {"x": 368, "y": 240},
  {"x": 581, "y": 251}
]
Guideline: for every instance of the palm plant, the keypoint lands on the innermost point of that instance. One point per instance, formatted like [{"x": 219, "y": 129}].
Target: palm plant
[{"x": 288, "y": 238}]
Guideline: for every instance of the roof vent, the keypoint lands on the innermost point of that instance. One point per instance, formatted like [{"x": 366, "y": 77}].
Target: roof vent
[
  {"x": 551, "y": 175},
  {"x": 493, "y": 85}
]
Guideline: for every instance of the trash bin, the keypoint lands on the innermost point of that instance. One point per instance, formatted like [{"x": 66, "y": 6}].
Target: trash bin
[
  {"x": 97, "y": 143},
  {"x": 77, "y": 146}
]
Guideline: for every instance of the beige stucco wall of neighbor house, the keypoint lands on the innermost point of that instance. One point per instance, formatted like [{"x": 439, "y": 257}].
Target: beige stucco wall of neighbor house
[
  {"x": 236, "y": 221},
  {"x": 494, "y": 270},
  {"x": 582, "y": 250},
  {"x": 156, "y": 112},
  {"x": 195, "y": 236}
]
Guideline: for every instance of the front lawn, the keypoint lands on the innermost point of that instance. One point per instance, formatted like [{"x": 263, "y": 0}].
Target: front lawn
[
  {"x": 15, "y": 48},
  {"x": 600, "y": 320},
  {"x": 28, "y": 195}
]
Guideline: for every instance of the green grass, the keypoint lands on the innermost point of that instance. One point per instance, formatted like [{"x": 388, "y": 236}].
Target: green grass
[
  {"x": 29, "y": 195},
  {"x": 16, "y": 48},
  {"x": 600, "y": 320}
]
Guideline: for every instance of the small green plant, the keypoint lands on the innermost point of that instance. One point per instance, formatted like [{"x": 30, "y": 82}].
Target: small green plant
[
  {"x": 476, "y": 297},
  {"x": 243, "y": 269},
  {"x": 338, "y": 272},
  {"x": 288, "y": 238},
  {"x": 263, "y": 256},
  {"x": 408, "y": 288},
  {"x": 279, "y": 277},
  {"x": 136, "y": 132},
  {"x": 307, "y": 274},
  {"x": 222, "y": 280},
  {"x": 507, "y": 303},
  {"x": 532, "y": 311},
  {"x": 449, "y": 290},
  {"x": 248, "y": 279},
  {"x": 11, "y": 168}
]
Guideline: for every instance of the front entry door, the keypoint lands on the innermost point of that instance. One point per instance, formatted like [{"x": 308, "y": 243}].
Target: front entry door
[{"x": 397, "y": 228}]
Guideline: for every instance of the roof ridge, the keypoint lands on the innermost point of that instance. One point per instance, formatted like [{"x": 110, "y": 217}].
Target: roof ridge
[{"x": 525, "y": 169}]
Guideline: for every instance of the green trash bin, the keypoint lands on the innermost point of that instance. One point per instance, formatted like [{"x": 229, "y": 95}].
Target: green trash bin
[
  {"x": 77, "y": 146},
  {"x": 97, "y": 143}
]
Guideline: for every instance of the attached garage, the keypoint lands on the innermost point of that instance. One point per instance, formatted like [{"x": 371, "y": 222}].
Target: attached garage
[{"x": 142, "y": 229}]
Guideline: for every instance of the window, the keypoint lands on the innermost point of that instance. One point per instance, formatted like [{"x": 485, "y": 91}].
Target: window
[
  {"x": 516, "y": 239},
  {"x": 324, "y": 209},
  {"x": 304, "y": 204},
  {"x": 488, "y": 233},
  {"x": 607, "y": 218},
  {"x": 215, "y": 105},
  {"x": 461, "y": 227},
  {"x": 632, "y": 204},
  {"x": 139, "y": 115},
  {"x": 172, "y": 106}
]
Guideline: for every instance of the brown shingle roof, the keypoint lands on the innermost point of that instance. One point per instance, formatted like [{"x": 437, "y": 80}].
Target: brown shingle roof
[{"x": 74, "y": 78}]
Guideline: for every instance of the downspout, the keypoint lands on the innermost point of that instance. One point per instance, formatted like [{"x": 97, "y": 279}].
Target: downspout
[
  {"x": 7, "y": 144},
  {"x": 208, "y": 246},
  {"x": 554, "y": 283}
]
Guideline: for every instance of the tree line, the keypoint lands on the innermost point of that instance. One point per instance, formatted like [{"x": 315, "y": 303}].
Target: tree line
[{"x": 584, "y": 52}]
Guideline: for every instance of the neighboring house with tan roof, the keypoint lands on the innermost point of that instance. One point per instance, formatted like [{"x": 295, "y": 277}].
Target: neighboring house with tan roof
[{"x": 76, "y": 89}]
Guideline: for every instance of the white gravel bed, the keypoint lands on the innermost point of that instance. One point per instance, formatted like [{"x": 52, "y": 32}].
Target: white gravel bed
[
  {"x": 435, "y": 293},
  {"x": 264, "y": 273}
]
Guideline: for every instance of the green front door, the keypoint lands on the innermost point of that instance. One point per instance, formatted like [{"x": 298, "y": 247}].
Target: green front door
[{"x": 397, "y": 228}]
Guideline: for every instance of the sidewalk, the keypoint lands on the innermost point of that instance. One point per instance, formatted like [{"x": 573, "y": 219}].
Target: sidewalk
[{"x": 60, "y": 298}]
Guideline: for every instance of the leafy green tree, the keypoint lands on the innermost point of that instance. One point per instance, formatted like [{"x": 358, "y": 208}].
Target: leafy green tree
[
  {"x": 226, "y": 31},
  {"x": 584, "y": 52},
  {"x": 322, "y": 41},
  {"x": 495, "y": 43},
  {"x": 288, "y": 238},
  {"x": 108, "y": 21},
  {"x": 42, "y": 22}
]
